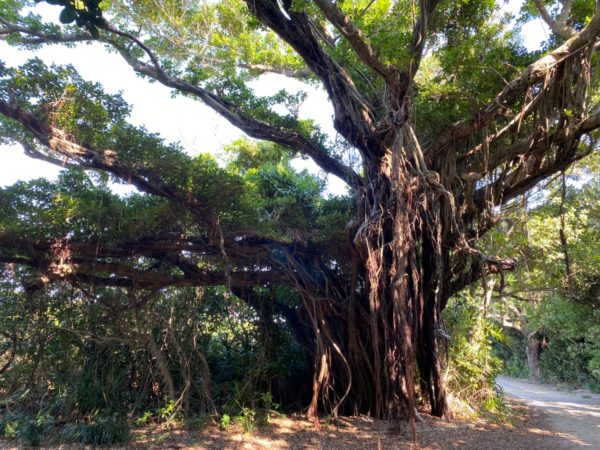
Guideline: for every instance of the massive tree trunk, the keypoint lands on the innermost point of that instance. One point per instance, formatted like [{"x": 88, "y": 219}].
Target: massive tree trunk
[
  {"x": 399, "y": 242},
  {"x": 387, "y": 344}
]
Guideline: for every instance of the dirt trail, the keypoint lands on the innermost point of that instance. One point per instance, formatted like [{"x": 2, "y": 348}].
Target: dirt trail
[{"x": 572, "y": 415}]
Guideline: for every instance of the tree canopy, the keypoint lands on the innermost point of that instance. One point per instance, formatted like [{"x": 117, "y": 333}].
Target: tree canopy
[{"x": 443, "y": 119}]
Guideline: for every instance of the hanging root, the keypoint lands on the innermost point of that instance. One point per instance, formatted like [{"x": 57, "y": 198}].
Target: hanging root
[{"x": 381, "y": 340}]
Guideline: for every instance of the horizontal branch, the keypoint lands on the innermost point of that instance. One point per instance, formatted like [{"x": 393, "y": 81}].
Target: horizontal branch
[
  {"x": 536, "y": 145},
  {"x": 243, "y": 248},
  {"x": 300, "y": 74},
  {"x": 104, "y": 160},
  {"x": 480, "y": 266},
  {"x": 37, "y": 37},
  {"x": 565, "y": 142},
  {"x": 76, "y": 262},
  {"x": 534, "y": 73}
]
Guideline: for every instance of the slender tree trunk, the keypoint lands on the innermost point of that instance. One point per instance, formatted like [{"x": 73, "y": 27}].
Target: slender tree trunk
[
  {"x": 563, "y": 236},
  {"x": 533, "y": 350},
  {"x": 206, "y": 397},
  {"x": 11, "y": 353},
  {"x": 163, "y": 367}
]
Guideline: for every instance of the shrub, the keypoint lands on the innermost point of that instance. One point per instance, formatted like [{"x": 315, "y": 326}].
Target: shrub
[
  {"x": 472, "y": 366},
  {"x": 99, "y": 431},
  {"x": 26, "y": 429}
]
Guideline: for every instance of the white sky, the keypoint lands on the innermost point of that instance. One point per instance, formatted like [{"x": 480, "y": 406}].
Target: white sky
[{"x": 180, "y": 119}]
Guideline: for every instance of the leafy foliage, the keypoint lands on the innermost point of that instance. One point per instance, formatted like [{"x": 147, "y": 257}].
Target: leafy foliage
[
  {"x": 544, "y": 299},
  {"x": 472, "y": 366}
]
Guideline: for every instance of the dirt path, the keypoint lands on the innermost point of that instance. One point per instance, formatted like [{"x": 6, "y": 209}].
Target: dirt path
[{"x": 574, "y": 416}]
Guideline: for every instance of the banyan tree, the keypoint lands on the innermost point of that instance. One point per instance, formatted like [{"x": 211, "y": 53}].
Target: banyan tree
[{"x": 442, "y": 117}]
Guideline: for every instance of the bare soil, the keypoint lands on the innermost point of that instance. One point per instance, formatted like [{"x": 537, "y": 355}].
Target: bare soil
[
  {"x": 528, "y": 430},
  {"x": 574, "y": 414}
]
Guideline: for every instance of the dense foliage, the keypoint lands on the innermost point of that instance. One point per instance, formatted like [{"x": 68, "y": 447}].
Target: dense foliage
[
  {"x": 235, "y": 285},
  {"x": 554, "y": 298}
]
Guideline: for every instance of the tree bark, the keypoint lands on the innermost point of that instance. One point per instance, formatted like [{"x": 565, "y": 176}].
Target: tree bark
[
  {"x": 533, "y": 350},
  {"x": 391, "y": 342}
]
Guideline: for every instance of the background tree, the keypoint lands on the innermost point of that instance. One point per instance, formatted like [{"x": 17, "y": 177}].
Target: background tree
[
  {"x": 552, "y": 299},
  {"x": 447, "y": 116}
]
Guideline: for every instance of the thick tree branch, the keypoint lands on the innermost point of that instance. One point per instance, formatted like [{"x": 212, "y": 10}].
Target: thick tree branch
[
  {"x": 76, "y": 262},
  {"x": 153, "y": 262},
  {"x": 354, "y": 117},
  {"x": 512, "y": 126},
  {"x": 531, "y": 145},
  {"x": 528, "y": 173},
  {"x": 251, "y": 126},
  {"x": 559, "y": 26},
  {"x": 535, "y": 73},
  {"x": 479, "y": 267},
  {"x": 247, "y": 248},
  {"x": 354, "y": 36}
]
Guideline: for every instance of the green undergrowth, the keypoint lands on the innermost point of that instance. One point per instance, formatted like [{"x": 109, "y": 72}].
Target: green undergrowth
[
  {"x": 472, "y": 366},
  {"x": 32, "y": 430}
]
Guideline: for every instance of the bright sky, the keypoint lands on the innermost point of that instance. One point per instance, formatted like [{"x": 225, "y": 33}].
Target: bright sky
[{"x": 180, "y": 119}]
